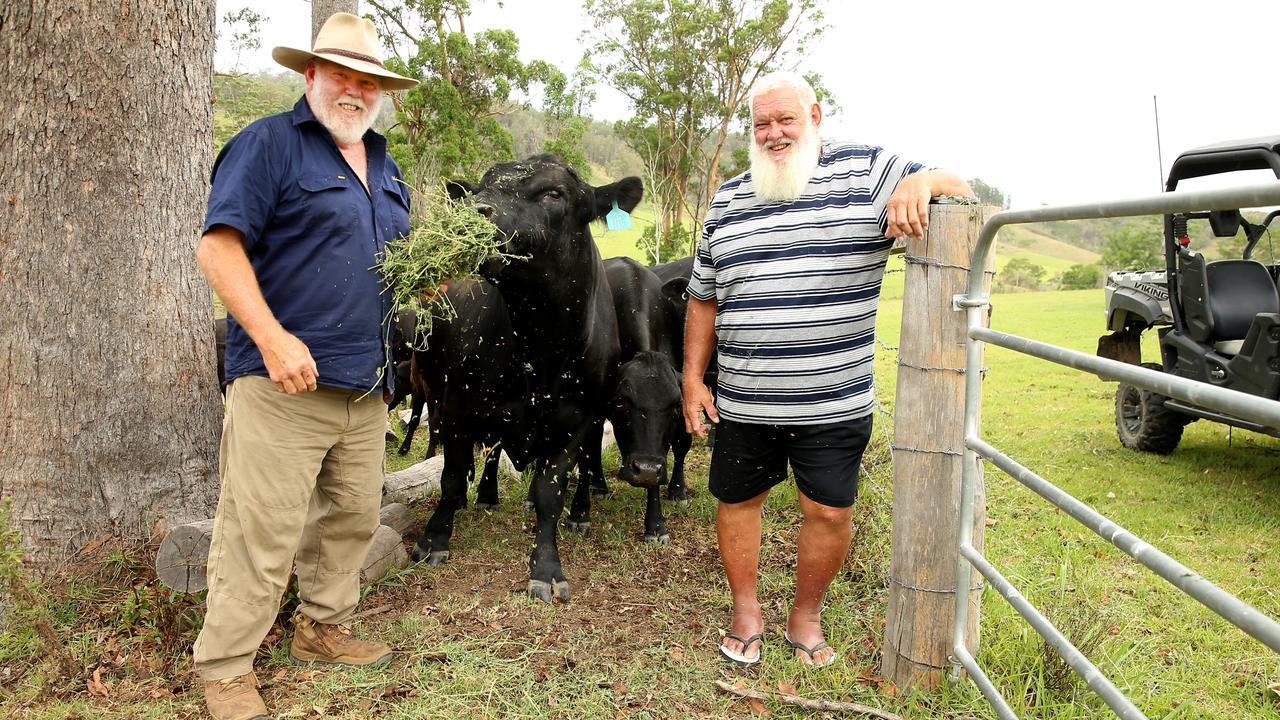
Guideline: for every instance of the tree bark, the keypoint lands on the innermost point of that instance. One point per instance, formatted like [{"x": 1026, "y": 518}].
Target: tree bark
[
  {"x": 322, "y": 9},
  {"x": 109, "y": 409}
]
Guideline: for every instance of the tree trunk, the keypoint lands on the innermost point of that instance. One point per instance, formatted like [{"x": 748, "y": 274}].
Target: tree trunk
[
  {"x": 109, "y": 409},
  {"x": 322, "y": 9}
]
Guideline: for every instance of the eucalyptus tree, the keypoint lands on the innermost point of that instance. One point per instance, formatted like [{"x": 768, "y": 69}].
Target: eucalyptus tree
[
  {"x": 687, "y": 66},
  {"x": 109, "y": 406},
  {"x": 322, "y": 9},
  {"x": 448, "y": 125}
]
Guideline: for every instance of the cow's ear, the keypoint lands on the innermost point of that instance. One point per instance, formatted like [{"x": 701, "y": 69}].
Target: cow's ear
[
  {"x": 627, "y": 192},
  {"x": 674, "y": 290},
  {"x": 459, "y": 189}
]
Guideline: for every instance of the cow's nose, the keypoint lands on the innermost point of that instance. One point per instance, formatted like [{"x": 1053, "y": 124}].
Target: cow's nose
[
  {"x": 645, "y": 472},
  {"x": 486, "y": 210}
]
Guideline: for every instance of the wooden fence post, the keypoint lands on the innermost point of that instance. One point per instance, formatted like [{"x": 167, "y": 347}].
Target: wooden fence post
[{"x": 928, "y": 452}]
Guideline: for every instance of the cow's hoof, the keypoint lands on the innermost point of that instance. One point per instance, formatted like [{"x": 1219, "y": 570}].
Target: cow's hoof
[
  {"x": 391, "y": 437},
  {"x": 549, "y": 592},
  {"x": 402, "y": 452},
  {"x": 418, "y": 553},
  {"x": 680, "y": 502},
  {"x": 490, "y": 506},
  {"x": 663, "y": 539},
  {"x": 582, "y": 528},
  {"x": 435, "y": 557}
]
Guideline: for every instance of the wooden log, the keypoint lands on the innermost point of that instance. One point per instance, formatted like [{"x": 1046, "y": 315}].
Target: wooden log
[
  {"x": 183, "y": 554},
  {"x": 928, "y": 454},
  {"x": 397, "y": 517},
  {"x": 416, "y": 482},
  {"x": 385, "y": 554}
]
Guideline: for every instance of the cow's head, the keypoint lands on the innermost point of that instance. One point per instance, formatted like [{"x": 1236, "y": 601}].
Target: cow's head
[
  {"x": 646, "y": 411},
  {"x": 542, "y": 207}
]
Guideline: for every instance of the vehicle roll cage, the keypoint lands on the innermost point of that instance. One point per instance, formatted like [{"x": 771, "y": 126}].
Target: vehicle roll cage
[{"x": 1262, "y": 153}]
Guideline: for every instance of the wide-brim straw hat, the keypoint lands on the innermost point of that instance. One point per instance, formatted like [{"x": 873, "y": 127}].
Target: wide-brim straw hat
[{"x": 349, "y": 41}]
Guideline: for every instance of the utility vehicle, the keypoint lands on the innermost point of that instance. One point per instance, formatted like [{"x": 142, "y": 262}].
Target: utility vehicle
[{"x": 1218, "y": 321}]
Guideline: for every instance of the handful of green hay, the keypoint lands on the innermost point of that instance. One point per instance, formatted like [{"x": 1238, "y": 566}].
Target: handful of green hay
[{"x": 446, "y": 240}]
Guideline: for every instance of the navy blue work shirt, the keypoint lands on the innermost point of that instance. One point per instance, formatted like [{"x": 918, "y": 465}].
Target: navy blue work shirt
[{"x": 313, "y": 233}]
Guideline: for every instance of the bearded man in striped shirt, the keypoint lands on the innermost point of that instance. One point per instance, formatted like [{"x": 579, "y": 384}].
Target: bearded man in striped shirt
[{"x": 785, "y": 286}]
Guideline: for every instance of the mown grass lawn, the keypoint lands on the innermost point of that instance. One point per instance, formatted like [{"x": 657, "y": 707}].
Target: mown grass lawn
[{"x": 638, "y": 639}]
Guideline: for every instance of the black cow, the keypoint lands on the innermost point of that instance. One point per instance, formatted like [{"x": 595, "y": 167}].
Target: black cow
[
  {"x": 675, "y": 279},
  {"x": 470, "y": 366},
  {"x": 647, "y": 409},
  {"x": 411, "y": 383},
  {"x": 564, "y": 338},
  {"x": 682, "y": 268}
]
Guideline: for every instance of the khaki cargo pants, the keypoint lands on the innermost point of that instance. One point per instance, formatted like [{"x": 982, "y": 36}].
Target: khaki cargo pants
[{"x": 301, "y": 477}]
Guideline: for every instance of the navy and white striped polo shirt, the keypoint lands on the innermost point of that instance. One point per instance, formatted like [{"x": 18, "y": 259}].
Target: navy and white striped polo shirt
[{"x": 796, "y": 285}]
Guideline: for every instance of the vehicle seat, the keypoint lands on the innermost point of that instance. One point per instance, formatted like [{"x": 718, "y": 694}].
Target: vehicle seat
[{"x": 1221, "y": 299}]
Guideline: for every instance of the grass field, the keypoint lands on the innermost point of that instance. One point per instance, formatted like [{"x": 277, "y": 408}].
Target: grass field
[{"x": 638, "y": 639}]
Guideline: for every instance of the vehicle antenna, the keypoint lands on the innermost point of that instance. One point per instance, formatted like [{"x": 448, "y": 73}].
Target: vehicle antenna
[{"x": 1155, "y": 104}]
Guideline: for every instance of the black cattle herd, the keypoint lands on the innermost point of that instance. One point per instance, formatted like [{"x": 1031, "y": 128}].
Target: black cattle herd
[{"x": 539, "y": 353}]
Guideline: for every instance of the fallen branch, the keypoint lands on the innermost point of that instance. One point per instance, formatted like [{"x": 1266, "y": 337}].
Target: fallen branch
[{"x": 825, "y": 705}]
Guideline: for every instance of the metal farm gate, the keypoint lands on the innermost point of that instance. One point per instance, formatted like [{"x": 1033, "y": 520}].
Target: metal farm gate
[{"x": 1241, "y": 405}]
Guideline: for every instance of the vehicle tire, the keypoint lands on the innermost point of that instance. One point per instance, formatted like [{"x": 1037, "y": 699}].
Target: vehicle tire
[{"x": 1143, "y": 422}]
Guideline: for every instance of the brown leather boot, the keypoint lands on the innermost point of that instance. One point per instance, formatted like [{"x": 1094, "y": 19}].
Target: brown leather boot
[
  {"x": 317, "y": 642},
  {"x": 235, "y": 698}
]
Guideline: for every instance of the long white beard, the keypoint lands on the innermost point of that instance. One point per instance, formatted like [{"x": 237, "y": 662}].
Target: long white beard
[
  {"x": 345, "y": 129},
  {"x": 787, "y": 180}
]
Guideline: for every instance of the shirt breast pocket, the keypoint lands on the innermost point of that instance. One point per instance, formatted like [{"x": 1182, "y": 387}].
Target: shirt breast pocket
[
  {"x": 396, "y": 219},
  {"x": 327, "y": 204}
]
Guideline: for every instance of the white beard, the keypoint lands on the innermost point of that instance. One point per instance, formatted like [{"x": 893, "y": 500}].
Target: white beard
[
  {"x": 787, "y": 180},
  {"x": 345, "y": 129}
]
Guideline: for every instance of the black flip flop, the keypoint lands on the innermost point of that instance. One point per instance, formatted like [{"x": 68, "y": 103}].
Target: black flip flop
[
  {"x": 740, "y": 659},
  {"x": 822, "y": 645}
]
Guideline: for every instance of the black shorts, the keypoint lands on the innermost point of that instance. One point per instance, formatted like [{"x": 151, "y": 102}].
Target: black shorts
[{"x": 748, "y": 459}]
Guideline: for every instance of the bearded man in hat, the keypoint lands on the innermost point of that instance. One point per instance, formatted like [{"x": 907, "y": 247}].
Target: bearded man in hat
[
  {"x": 302, "y": 205},
  {"x": 785, "y": 285}
]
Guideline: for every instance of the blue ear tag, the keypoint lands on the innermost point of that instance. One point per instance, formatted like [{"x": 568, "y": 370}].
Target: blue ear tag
[{"x": 617, "y": 219}]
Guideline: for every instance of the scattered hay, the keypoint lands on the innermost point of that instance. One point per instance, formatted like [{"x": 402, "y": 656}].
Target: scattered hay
[{"x": 447, "y": 240}]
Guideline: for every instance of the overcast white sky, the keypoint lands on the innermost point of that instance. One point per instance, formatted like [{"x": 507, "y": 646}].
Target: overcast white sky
[{"x": 1051, "y": 102}]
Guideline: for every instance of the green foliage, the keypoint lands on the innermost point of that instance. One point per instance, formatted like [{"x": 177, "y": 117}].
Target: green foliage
[
  {"x": 532, "y": 132},
  {"x": 244, "y": 26},
  {"x": 447, "y": 240},
  {"x": 987, "y": 194},
  {"x": 1020, "y": 274},
  {"x": 1132, "y": 246},
  {"x": 676, "y": 242},
  {"x": 563, "y": 107},
  {"x": 687, "y": 66},
  {"x": 1080, "y": 277},
  {"x": 29, "y": 616},
  {"x": 448, "y": 126},
  {"x": 240, "y": 99}
]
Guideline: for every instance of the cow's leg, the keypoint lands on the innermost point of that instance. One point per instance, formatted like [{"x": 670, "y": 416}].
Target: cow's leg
[
  {"x": 590, "y": 477},
  {"x": 487, "y": 493},
  {"x": 459, "y": 466},
  {"x": 590, "y": 467},
  {"x": 655, "y": 524},
  {"x": 546, "y": 577},
  {"x": 579, "y": 519},
  {"x": 433, "y": 430},
  {"x": 676, "y": 491},
  {"x": 415, "y": 417}
]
